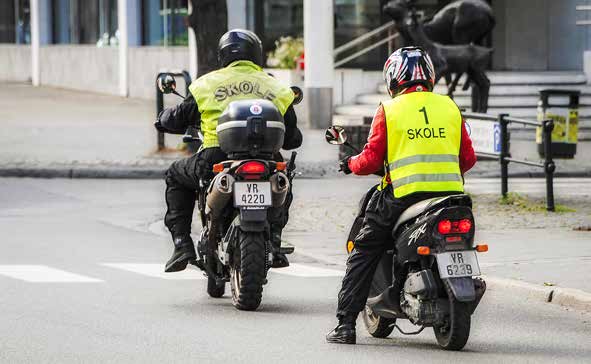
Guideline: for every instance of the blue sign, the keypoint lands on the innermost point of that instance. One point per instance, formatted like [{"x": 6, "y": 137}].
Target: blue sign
[{"x": 497, "y": 138}]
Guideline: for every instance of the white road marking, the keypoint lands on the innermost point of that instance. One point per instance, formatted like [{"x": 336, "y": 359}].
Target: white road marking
[
  {"x": 157, "y": 270},
  {"x": 43, "y": 274},
  {"x": 301, "y": 270}
]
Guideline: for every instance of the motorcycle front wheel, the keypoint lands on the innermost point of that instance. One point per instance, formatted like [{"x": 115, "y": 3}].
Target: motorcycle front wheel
[{"x": 248, "y": 271}]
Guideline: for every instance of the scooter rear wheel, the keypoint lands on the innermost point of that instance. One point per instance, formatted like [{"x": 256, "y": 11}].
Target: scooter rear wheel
[{"x": 453, "y": 335}]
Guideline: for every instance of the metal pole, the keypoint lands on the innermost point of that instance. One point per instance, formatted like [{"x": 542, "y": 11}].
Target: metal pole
[
  {"x": 504, "y": 154},
  {"x": 159, "y": 108},
  {"x": 34, "y": 22},
  {"x": 123, "y": 47},
  {"x": 549, "y": 166}
]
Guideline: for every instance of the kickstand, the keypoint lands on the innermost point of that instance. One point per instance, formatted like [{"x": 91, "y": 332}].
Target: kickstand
[{"x": 408, "y": 333}]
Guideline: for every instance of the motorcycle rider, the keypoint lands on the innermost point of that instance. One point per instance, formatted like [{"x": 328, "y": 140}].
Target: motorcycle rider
[
  {"x": 420, "y": 138},
  {"x": 240, "y": 77}
]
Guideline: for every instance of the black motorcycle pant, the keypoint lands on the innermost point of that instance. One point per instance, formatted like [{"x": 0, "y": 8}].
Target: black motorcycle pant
[
  {"x": 381, "y": 212},
  {"x": 182, "y": 185}
]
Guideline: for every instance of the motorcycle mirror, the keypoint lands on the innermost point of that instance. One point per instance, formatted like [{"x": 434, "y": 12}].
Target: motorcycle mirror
[
  {"x": 336, "y": 135},
  {"x": 166, "y": 83},
  {"x": 298, "y": 93}
]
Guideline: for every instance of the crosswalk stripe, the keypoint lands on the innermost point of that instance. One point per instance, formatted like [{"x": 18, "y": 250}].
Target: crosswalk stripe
[
  {"x": 307, "y": 271},
  {"x": 156, "y": 271},
  {"x": 43, "y": 274}
]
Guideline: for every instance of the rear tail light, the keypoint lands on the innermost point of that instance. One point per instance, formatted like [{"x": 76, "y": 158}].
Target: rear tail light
[
  {"x": 454, "y": 227},
  {"x": 251, "y": 168}
]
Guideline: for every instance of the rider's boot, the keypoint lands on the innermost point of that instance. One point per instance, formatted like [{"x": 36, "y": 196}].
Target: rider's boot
[
  {"x": 344, "y": 333},
  {"x": 279, "y": 259},
  {"x": 184, "y": 251}
]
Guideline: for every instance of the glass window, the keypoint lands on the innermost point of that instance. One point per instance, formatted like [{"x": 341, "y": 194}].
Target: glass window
[
  {"x": 85, "y": 22},
  {"x": 165, "y": 22},
  {"x": 23, "y": 21},
  {"x": 7, "y": 23}
]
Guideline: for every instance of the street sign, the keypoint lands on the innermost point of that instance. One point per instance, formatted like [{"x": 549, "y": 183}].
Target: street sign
[{"x": 485, "y": 135}]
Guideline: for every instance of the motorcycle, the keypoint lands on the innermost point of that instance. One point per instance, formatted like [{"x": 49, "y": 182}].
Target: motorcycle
[
  {"x": 434, "y": 258},
  {"x": 235, "y": 201}
]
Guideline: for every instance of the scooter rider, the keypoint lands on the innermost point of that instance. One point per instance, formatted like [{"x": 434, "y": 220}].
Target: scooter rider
[
  {"x": 241, "y": 77},
  {"x": 420, "y": 139}
]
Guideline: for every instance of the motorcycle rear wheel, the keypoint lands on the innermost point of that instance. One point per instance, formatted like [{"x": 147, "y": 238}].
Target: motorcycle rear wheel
[
  {"x": 248, "y": 271},
  {"x": 454, "y": 334},
  {"x": 377, "y": 326}
]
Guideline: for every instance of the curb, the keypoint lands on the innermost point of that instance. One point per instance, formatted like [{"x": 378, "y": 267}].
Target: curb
[
  {"x": 157, "y": 172},
  {"x": 567, "y": 297}
]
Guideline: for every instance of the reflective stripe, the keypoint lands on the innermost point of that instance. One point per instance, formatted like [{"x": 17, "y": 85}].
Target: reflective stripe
[
  {"x": 445, "y": 177},
  {"x": 424, "y": 158},
  {"x": 242, "y": 124}
]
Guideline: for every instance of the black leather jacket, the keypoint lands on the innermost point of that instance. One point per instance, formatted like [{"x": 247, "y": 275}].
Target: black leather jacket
[{"x": 177, "y": 119}]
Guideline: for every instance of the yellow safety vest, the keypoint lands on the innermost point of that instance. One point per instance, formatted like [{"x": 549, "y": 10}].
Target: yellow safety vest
[
  {"x": 424, "y": 132},
  {"x": 238, "y": 81}
]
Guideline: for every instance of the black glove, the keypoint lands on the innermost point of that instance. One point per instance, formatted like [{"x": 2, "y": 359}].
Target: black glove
[
  {"x": 159, "y": 127},
  {"x": 344, "y": 165}
]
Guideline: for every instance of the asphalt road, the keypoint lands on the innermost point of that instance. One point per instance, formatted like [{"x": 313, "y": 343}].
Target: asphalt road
[{"x": 80, "y": 280}]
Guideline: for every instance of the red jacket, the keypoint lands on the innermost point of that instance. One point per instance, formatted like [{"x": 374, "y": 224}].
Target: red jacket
[{"x": 372, "y": 158}]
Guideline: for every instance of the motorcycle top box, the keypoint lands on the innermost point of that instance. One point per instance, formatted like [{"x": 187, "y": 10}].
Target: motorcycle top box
[{"x": 252, "y": 128}]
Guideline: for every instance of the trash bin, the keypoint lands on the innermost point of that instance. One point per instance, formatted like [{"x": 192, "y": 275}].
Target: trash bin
[{"x": 562, "y": 106}]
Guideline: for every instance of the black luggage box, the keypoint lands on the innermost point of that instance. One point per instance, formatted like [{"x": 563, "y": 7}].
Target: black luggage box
[{"x": 251, "y": 128}]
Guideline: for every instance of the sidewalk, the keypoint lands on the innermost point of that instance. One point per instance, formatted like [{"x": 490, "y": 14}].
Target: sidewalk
[
  {"x": 67, "y": 133},
  {"x": 49, "y": 132}
]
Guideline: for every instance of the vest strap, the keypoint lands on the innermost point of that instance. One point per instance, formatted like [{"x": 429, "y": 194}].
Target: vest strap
[
  {"x": 445, "y": 177},
  {"x": 424, "y": 158}
]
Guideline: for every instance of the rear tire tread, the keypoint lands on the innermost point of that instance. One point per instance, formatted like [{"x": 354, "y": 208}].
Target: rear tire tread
[{"x": 252, "y": 271}]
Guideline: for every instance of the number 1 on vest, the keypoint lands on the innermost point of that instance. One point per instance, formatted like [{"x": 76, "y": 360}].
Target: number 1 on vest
[{"x": 424, "y": 111}]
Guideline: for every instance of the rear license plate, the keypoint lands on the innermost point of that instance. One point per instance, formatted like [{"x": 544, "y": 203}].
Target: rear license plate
[
  {"x": 252, "y": 194},
  {"x": 458, "y": 264}
]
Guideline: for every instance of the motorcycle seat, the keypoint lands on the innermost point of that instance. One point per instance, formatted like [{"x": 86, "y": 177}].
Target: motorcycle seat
[{"x": 432, "y": 204}]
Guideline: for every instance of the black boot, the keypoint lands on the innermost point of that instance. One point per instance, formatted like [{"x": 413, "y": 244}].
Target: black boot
[
  {"x": 184, "y": 251},
  {"x": 344, "y": 333},
  {"x": 279, "y": 259}
]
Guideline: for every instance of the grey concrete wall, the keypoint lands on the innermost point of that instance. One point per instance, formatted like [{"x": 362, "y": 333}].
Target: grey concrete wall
[
  {"x": 15, "y": 61},
  {"x": 146, "y": 62},
  {"x": 81, "y": 67},
  {"x": 539, "y": 35}
]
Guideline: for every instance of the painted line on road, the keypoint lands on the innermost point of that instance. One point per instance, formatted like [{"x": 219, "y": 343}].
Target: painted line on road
[
  {"x": 43, "y": 274},
  {"x": 156, "y": 270},
  {"x": 307, "y": 271}
]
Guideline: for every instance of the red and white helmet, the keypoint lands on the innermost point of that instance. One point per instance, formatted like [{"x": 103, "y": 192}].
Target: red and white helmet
[{"x": 407, "y": 67}]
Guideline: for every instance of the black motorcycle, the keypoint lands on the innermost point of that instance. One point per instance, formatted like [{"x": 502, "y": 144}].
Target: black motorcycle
[
  {"x": 235, "y": 200},
  {"x": 435, "y": 258}
]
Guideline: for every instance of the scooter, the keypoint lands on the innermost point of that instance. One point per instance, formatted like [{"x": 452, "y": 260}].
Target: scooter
[{"x": 436, "y": 264}]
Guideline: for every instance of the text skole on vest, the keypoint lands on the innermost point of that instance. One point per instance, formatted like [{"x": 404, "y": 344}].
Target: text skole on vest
[
  {"x": 425, "y": 133},
  {"x": 242, "y": 88}
]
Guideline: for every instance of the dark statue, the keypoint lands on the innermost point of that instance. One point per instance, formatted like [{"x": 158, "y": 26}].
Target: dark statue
[{"x": 449, "y": 38}]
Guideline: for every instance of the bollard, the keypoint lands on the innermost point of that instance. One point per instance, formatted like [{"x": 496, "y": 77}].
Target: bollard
[
  {"x": 504, "y": 154},
  {"x": 159, "y": 108},
  {"x": 549, "y": 166}
]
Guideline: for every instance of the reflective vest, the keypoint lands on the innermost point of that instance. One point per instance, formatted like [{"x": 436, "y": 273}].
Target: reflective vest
[
  {"x": 424, "y": 133},
  {"x": 238, "y": 81}
]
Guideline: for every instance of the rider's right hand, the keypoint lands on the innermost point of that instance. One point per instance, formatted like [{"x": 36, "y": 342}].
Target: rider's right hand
[
  {"x": 159, "y": 127},
  {"x": 344, "y": 165}
]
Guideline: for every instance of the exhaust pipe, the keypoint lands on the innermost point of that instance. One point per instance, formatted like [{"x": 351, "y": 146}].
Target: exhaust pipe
[
  {"x": 219, "y": 193},
  {"x": 279, "y": 188}
]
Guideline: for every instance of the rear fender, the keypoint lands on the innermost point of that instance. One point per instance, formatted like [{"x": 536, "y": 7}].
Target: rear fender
[
  {"x": 462, "y": 288},
  {"x": 253, "y": 220}
]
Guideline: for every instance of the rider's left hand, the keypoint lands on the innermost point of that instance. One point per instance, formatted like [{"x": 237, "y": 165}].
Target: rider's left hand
[{"x": 344, "y": 165}]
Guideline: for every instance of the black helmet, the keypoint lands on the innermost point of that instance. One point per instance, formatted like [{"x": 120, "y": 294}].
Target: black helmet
[{"x": 240, "y": 44}]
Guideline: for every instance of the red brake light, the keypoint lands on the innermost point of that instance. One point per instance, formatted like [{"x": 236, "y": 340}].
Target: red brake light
[
  {"x": 444, "y": 227},
  {"x": 251, "y": 168},
  {"x": 464, "y": 226}
]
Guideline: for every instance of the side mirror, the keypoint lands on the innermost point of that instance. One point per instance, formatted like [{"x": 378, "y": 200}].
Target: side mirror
[
  {"x": 336, "y": 135},
  {"x": 166, "y": 83},
  {"x": 298, "y": 93}
]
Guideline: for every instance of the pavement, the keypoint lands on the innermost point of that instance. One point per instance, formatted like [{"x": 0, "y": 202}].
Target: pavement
[
  {"x": 55, "y": 133},
  {"x": 80, "y": 272}
]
